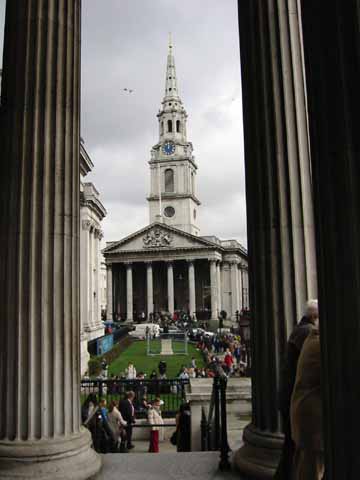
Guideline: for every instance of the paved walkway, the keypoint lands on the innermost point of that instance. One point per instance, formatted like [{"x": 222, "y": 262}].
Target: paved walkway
[
  {"x": 163, "y": 466},
  {"x": 166, "y": 347}
]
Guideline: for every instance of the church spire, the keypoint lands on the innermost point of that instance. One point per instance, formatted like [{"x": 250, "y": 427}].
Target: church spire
[{"x": 171, "y": 89}]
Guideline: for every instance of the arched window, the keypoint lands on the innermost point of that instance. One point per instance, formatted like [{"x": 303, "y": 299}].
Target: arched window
[
  {"x": 178, "y": 126},
  {"x": 169, "y": 124},
  {"x": 169, "y": 180}
]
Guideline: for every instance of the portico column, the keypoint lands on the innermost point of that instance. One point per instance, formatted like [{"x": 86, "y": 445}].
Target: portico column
[
  {"x": 234, "y": 289},
  {"x": 109, "y": 292},
  {"x": 281, "y": 244},
  {"x": 84, "y": 275},
  {"x": 331, "y": 45},
  {"x": 96, "y": 299},
  {"x": 214, "y": 294},
  {"x": 129, "y": 292},
  {"x": 170, "y": 284},
  {"x": 219, "y": 285},
  {"x": 192, "y": 295},
  {"x": 240, "y": 286},
  {"x": 149, "y": 289},
  {"x": 40, "y": 424}
]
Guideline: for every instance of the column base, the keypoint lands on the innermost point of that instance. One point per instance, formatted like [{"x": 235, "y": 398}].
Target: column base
[
  {"x": 62, "y": 458},
  {"x": 260, "y": 455}
]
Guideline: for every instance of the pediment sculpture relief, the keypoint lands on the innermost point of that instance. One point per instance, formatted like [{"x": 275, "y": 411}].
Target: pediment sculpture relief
[{"x": 157, "y": 238}]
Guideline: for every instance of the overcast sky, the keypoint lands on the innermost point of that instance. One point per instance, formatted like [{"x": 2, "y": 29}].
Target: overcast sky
[{"x": 124, "y": 45}]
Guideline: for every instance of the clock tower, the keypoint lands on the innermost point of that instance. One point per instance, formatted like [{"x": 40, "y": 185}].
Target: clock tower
[{"x": 172, "y": 198}]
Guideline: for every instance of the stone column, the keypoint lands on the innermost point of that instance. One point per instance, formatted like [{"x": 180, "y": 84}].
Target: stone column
[
  {"x": 192, "y": 295},
  {"x": 331, "y": 44},
  {"x": 170, "y": 285},
  {"x": 129, "y": 292},
  {"x": 96, "y": 296},
  {"x": 40, "y": 424},
  {"x": 234, "y": 289},
  {"x": 280, "y": 210},
  {"x": 109, "y": 292},
  {"x": 240, "y": 287},
  {"x": 149, "y": 289},
  {"x": 91, "y": 278},
  {"x": 84, "y": 275},
  {"x": 99, "y": 294},
  {"x": 219, "y": 285},
  {"x": 214, "y": 295}
]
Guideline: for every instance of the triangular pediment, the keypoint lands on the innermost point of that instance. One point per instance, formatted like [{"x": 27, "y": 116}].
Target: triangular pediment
[{"x": 157, "y": 236}]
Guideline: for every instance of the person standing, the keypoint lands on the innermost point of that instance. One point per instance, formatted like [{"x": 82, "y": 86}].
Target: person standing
[
  {"x": 306, "y": 412},
  {"x": 117, "y": 424},
  {"x": 127, "y": 411},
  {"x": 130, "y": 371},
  {"x": 296, "y": 340},
  {"x": 155, "y": 419}
]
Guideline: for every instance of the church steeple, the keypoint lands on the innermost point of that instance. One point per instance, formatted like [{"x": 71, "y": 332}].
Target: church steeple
[
  {"x": 172, "y": 166},
  {"x": 171, "y": 88}
]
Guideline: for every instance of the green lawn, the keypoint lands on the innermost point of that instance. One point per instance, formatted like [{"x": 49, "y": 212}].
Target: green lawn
[{"x": 136, "y": 353}]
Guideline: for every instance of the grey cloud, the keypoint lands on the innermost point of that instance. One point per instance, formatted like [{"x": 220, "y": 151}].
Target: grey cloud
[{"x": 124, "y": 44}]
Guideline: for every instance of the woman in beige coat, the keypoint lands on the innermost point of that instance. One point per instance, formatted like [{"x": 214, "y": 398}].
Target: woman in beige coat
[{"x": 306, "y": 412}]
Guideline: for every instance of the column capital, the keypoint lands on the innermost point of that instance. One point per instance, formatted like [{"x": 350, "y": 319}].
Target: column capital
[
  {"x": 128, "y": 264},
  {"x": 86, "y": 225},
  {"x": 169, "y": 263}
]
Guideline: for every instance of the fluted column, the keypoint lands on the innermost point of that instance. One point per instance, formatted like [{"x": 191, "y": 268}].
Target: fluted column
[
  {"x": 331, "y": 44},
  {"x": 84, "y": 275},
  {"x": 99, "y": 283},
  {"x": 192, "y": 294},
  {"x": 240, "y": 287},
  {"x": 96, "y": 272},
  {"x": 219, "y": 285},
  {"x": 170, "y": 285},
  {"x": 40, "y": 425},
  {"x": 214, "y": 295},
  {"x": 149, "y": 289},
  {"x": 109, "y": 292},
  {"x": 129, "y": 292},
  {"x": 234, "y": 288},
  {"x": 281, "y": 243}
]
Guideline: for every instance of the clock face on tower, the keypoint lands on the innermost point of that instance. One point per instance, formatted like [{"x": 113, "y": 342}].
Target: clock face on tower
[{"x": 168, "y": 148}]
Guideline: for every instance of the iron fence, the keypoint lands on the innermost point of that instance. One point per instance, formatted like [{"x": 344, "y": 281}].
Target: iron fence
[{"x": 171, "y": 391}]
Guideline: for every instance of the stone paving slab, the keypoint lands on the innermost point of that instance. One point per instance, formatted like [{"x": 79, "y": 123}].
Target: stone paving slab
[{"x": 163, "y": 466}]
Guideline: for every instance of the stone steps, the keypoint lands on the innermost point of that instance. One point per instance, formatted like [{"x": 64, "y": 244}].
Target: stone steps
[{"x": 163, "y": 466}]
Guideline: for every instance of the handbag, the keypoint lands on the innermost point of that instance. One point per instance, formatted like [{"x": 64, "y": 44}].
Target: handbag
[{"x": 173, "y": 438}]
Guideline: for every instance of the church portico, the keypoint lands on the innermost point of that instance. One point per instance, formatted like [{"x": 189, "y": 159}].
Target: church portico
[{"x": 161, "y": 268}]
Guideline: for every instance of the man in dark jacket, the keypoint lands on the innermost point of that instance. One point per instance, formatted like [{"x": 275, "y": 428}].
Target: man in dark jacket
[
  {"x": 127, "y": 411},
  {"x": 287, "y": 382}
]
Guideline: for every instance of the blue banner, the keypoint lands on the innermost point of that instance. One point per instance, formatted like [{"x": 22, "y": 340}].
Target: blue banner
[{"x": 104, "y": 344}]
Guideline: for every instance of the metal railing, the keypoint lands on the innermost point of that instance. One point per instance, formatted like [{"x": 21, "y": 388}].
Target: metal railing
[
  {"x": 171, "y": 391},
  {"x": 214, "y": 426}
]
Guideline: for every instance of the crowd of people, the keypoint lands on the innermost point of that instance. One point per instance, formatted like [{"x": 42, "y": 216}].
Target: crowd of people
[{"x": 111, "y": 426}]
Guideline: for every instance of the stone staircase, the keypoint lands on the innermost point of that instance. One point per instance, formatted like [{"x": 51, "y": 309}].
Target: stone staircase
[{"x": 163, "y": 466}]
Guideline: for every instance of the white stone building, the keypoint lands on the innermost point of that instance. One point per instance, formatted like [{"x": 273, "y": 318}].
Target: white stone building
[
  {"x": 168, "y": 265},
  {"x": 92, "y": 289}
]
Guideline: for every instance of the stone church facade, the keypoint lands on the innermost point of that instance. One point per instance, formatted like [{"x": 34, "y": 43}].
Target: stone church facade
[{"x": 168, "y": 266}]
